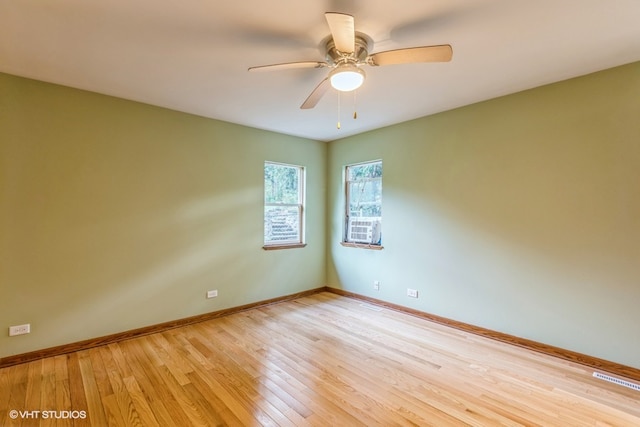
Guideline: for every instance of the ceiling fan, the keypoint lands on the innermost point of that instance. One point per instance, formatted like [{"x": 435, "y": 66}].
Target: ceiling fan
[{"x": 347, "y": 51}]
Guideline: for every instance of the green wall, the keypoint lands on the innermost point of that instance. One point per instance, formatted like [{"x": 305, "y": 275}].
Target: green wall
[
  {"x": 116, "y": 215},
  {"x": 520, "y": 214}
]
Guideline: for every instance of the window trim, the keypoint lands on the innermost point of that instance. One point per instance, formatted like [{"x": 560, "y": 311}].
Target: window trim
[
  {"x": 301, "y": 243},
  {"x": 282, "y": 246},
  {"x": 362, "y": 246}
]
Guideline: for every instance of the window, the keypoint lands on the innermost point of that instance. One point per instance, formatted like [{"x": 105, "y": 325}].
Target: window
[
  {"x": 283, "y": 205},
  {"x": 363, "y": 217}
]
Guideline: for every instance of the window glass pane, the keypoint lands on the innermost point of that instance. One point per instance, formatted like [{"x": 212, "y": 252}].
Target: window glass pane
[
  {"x": 281, "y": 224},
  {"x": 367, "y": 170},
  {"x": 365, "y": 198},
  {"x": 283, "y": 204},
  {"x": 282, "y": 184},
  {"x": 363, "y": 221}
]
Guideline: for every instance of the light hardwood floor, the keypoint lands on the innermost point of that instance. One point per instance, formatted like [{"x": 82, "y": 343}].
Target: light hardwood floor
[{"x": 323, "y": 360}]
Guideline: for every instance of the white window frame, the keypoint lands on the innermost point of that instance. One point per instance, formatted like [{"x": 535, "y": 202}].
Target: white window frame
[
  {"x": 361, "y": 231},
  {"x": 300, "y": 206}
]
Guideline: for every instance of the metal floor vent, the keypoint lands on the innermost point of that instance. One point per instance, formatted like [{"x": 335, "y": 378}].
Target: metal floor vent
[
  {"x": 617, "y": 381},
  {"x": 371, "y": 307}
]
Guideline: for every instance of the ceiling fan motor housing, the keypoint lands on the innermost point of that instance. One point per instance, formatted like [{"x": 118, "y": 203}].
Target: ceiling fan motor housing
[{"x": 359, "y": 55}]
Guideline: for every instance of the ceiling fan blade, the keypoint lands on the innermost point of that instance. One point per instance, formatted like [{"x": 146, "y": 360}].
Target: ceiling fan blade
[
  {"x": 315, "y": 96},
  {"x": 440, "y": 53},
  {"x": 289, "y": 65},
  {"x": 342, "y": 30}
]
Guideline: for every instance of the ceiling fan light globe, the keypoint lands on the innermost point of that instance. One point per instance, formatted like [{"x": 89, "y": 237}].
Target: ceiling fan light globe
[{"x": 346, "y": 78}]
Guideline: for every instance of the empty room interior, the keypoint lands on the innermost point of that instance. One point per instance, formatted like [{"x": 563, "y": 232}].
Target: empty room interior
[{"x": 200, "y": 226}]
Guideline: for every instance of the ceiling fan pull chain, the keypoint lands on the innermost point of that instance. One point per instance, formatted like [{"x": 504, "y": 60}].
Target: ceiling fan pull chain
[
  {"x": 338, "y": 126},
  {"x": 355, "y": 113}
]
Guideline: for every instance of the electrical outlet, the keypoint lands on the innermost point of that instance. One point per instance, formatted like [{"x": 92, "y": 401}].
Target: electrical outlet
[
  {"x": 413, "y": 293},
  {"x": 376, "y": 285},
  {"x": 212, "y": 294},
  {"x": 19, "y": 329}
]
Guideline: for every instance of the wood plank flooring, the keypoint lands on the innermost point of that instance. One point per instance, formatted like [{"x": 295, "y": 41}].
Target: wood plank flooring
[{"x": 323, "y": 360}]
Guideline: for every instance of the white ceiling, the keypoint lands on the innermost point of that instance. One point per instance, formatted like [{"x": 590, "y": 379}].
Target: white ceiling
[{"x": 193, "y": 55}]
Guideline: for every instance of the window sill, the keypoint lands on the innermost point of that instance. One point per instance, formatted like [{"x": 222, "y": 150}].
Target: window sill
[
  {"x": 278, "y": 247},
  {"x": 362, "y": 246}
]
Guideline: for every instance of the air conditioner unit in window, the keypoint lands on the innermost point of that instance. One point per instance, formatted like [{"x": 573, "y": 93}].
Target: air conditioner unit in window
[{"x": 364, "y": 230}]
